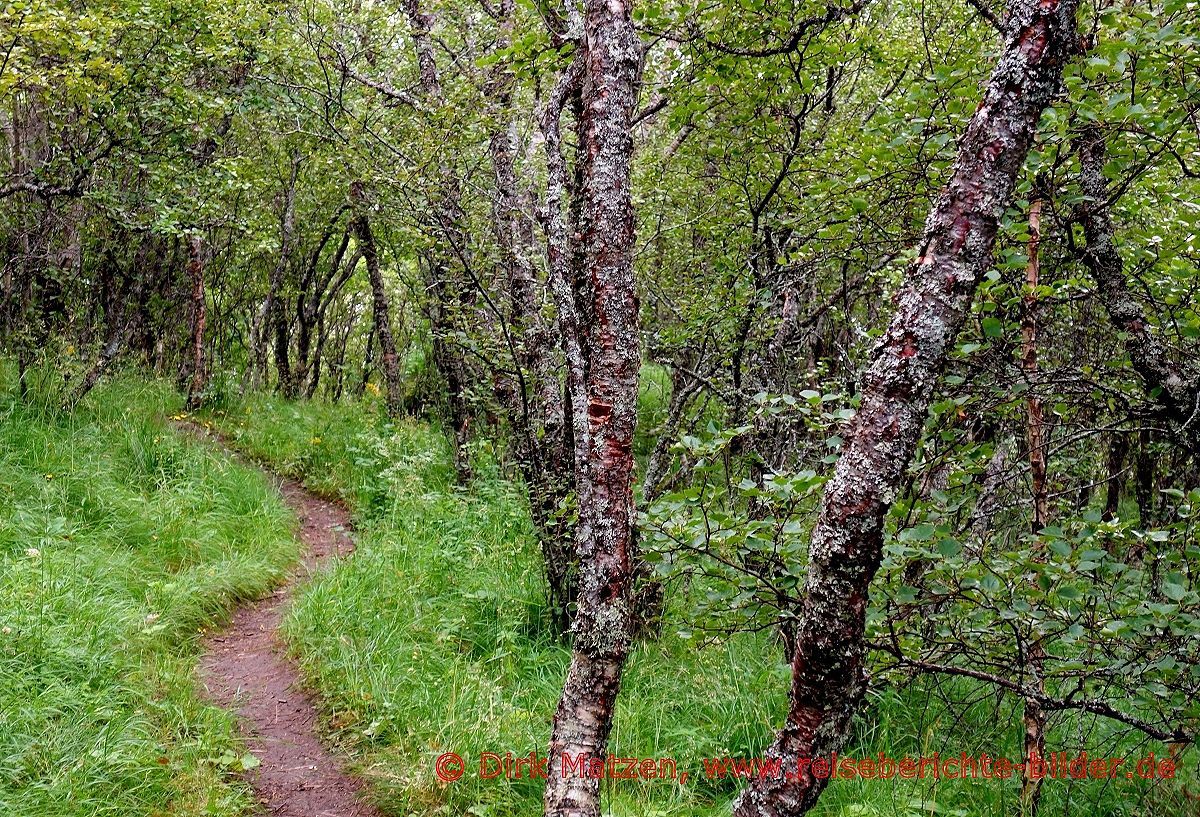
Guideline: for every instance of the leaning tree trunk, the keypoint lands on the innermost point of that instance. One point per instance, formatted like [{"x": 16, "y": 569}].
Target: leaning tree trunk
[
  {"x": 389, "y": 360},
  {"x": 603, "y": 626},
  {"x": 828, "y": 677},
  {"x": 1177, "y": 391},
  {"x": 118, "y": 336}
]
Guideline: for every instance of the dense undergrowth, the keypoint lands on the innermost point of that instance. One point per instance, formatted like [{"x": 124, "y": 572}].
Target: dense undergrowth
[
  {"x": 432, "y": 638},
  {"x": 120, "y": 540}
]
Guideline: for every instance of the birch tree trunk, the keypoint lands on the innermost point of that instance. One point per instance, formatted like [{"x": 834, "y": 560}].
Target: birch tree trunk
[
  {"x": 447, "y": 291},
  {"x": 199, "y": 378},
  {"x": 277, "y": 318},
  {"x": 603, "y": 623},
  {"x": 388, "y": 358},
  {"x": 1176, "y": 390},
  {"x": 828, "y": 678},
  {"x": 533, "y": 397}
]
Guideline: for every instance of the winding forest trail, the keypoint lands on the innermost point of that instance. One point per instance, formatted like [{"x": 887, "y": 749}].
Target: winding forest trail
[{"x": 245, "y": 669}]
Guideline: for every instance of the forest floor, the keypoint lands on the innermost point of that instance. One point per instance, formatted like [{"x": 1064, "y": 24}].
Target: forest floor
[
  {"x": 245, "y": 668},
  {"x": 139, "y": 565}
]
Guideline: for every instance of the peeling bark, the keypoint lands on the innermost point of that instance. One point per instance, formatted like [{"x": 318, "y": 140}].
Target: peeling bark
[
  {"x": 561, "y": 554},
  {"x": 560, "y": 254},
  {"x": 604, "y": 622},
  {"x": 828, "y": 678}
]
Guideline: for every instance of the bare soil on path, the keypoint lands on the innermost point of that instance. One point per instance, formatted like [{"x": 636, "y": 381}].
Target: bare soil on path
[{"x": 245, "y": 668}]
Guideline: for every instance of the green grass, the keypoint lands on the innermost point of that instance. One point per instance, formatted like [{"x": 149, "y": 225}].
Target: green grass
[
  {"x": 120, "y": 541},
  {"x": 431, "y": 638}
]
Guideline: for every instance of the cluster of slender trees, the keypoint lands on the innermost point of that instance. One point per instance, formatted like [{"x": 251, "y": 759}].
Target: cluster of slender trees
[{"x": 920, "y": 281}]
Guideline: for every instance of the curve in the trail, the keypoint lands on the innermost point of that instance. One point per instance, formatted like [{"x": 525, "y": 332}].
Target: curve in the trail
[{"x": 245, "y": 669}]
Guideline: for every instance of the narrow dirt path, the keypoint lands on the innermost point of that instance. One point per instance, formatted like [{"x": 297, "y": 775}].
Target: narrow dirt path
[{"x": 245, "y": 669}]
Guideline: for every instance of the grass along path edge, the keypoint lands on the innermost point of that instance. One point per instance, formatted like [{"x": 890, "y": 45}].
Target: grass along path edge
[{"x": 244, "y": 668}]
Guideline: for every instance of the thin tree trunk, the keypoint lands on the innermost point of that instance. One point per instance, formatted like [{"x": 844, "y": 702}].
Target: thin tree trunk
[
  {"x": 445, "y": 288},
  {"x": 604, "y": 620},
  {"x": 322, "y": 325},
  {"x": 312, "y": 298},
  {"x": 560, "y": 555},
  {"x": 1174, "y": 390},
  {"x": 532, "y": 398},
  {"x": 337, "y": 367},
  {"x": 684, "y": 387},
  {"x": 277, "y": 319},
  {"x": 1118, "y": 450},
  {"x": 388, "y": 357},
  {"x": 199, "y": 378},
  {"x": 1035, "y": 425},
  {"x": 1144, "y": 478},
  {"x": 118, "y": 337},
  {"x": 988, "y": 503},
  {"x": 258, "y": 340},
  {"x": 828, "y": 679},
  {"x": 368, "y": 362},
  {"x": 649, "y": 593},
  {"x": 126, "y": 315},
  {"x": 1034, "y": 717}
]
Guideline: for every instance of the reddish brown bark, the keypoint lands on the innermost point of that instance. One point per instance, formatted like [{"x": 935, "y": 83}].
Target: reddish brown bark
[
  {"x": 1035, "y": 425},
  {"x": 603, "y": 625},
  {"x": 828, "y": 679},
  {"x": 1034, "y": 717}
]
